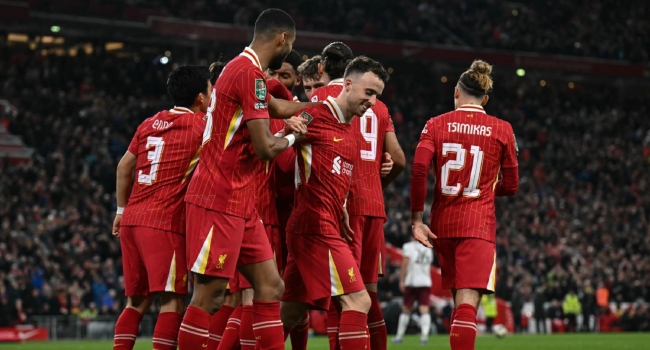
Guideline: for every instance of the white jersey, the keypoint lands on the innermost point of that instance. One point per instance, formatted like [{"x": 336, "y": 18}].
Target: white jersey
[{"x": 418, "y": 273}]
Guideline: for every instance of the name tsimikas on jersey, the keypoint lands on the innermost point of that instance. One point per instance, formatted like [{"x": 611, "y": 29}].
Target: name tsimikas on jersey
[{"x": 469, "y": 129}]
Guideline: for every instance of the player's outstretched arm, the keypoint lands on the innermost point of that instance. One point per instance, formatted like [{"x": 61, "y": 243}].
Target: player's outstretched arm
[
  {"x": 266, "y": 145},
  {"x": 391, "y": 145},
  {"x": 124, "y": 183},
  {"x": 281, "y": 109}
]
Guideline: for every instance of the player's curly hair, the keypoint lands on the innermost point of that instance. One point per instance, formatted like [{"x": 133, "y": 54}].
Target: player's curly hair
[
  {"x": 477, "y": 81},
  {"x": 294, "y": 59},
  {"x": 309, "y": 68},
  {"x": 363, "y": 64},
  {"x": 215, "y": 69},
  {"x": 335, "y": 57},
  {"x": 185, "y": 82}
]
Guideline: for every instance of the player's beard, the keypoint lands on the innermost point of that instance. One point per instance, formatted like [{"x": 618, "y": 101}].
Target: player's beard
[{"x": 276, "y": 62}]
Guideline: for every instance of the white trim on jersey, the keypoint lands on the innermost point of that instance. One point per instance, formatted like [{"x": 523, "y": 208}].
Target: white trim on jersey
[{"x": 472, "y": 108}]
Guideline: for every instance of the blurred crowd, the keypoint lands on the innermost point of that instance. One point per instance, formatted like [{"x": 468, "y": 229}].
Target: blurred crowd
[
  {"x": 579, "y": 222},
  {"x": 592, "y": 28}
]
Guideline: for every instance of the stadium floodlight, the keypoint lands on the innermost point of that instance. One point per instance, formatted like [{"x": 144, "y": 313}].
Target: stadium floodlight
[
  {"x": 164, "y": 60},
  {"x": 521, "y": 72},
  {"x": 55, "y": 29}
]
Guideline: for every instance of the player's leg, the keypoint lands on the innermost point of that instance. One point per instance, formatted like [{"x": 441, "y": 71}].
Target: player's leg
[
  {"x": 213, "y": 244},
  {"x": 220, "y": 319},
  {"x": 405, "y": 316},
  {"x": 246, "y": 334},
  {"x": 475, "y": 274},
  {"x": 425, "y": 316},
  {"x": 165, "y": 334},
  {"x": 258, "y": 267},
  {"x": 372, "y": 267},
  {"x": 293, "y": 307},
  {"x": 136, "y": 286}
]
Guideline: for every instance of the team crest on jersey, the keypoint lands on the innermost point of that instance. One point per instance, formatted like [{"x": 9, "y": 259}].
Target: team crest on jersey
[
  {"x": 306, "y": 116},
  {"x": 222, "y": 260},
  {"x": 260, "y": 89},
  {"x": 353, "y": 278},
  {"x": 516, "y": 145}
]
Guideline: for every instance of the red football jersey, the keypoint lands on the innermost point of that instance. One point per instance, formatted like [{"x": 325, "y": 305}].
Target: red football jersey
[
  {"x": 265, "y": 180},
  {"x": 324, "y": 162},
  {"x": 224, "y": 178},
  {"x": 469, "y": 149},
  {"x": 366, "y": 194},
  {"x": 167, "y": 147}
]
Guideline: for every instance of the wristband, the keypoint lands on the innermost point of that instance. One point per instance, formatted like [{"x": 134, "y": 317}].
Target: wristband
[
  {"x": 278, "y": 134},
  {"x": 291, "y": 139},
  {"x": 120, "y": 210}
]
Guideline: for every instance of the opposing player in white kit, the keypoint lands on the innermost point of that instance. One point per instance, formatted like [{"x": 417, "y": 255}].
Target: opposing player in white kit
[{"x": 415, "y": 284}]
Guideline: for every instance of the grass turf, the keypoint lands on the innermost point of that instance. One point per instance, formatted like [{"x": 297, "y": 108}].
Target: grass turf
[{"x": 628, "y": 341}]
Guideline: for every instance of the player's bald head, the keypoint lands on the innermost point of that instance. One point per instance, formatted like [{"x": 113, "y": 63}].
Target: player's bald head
[{"x": 272, "y": 22}]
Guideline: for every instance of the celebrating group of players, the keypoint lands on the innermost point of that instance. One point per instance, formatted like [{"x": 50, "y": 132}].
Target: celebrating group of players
[{"x": 265, "y": 199}]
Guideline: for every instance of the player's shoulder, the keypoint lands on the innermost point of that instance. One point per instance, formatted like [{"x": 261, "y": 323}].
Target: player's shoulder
[
  {"x": 324, "y": 92},
  {"x": 381, "y": 110},
  {"x": 239, "y": 65},
  {"x": 314, "y": 111}
]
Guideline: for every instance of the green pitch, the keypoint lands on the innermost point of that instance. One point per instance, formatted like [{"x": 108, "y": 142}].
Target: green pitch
[{"x": 630, "y": 341}]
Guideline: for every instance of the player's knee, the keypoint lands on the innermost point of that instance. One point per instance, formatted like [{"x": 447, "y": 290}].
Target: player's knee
[
  {"x": 364, "y": 302},
  {"x": 171, "y": 302},
  {"x": 277, "y": 288}
]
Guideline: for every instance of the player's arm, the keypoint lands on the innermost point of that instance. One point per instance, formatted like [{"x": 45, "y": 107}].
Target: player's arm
[
  {"x": 424, "y": 153},
  {"x": 509, "y": 182},
  {"x": 266, "y": 145},
  {"x": 402, "y": 271},
  {"x": 281, "y": 109},
  {"x": 392, "y": 147},
  {"x": 124, "y": 184}
]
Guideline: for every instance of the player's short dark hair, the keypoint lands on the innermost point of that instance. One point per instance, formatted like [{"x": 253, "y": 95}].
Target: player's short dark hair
[
  {"x": 185, "y": 82},
  {"x": 309, "y": 68},
  {"x": 336, "y": 57},
  {"x": 363, "y": 64},
  {"x": 294, "y": 60},
  {"x": 273, "y": 21},
  {"x": 215, "y": 70}
]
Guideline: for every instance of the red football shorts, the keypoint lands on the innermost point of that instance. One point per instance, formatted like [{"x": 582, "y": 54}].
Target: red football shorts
[
  {"x": 368, "y": 246},
  {"x": 273, "y": 234},
  {"x": 218, "y": 242},
  {"x": 319, "y": 267},
  {"x": 421, "y": 294},
  {"x": 467, "y": 263},
  {"x": 153, "y": 261}
]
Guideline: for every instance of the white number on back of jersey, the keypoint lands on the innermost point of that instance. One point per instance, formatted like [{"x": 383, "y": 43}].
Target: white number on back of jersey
[
  {"x": 207, "y": 132},
  {"x": 471, "y": 190},
  {"x": 369, "y": 126},
  {"x": 154, "y": 157}
]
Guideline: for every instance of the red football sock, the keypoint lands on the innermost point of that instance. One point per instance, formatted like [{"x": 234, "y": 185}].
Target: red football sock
[
  {"x": 463, "y": 329},
  {"x": 300, "y": 334},
  {"x": 333, "y": 316},
  {"x": 353, "y": 333},
  {"x": 165, "y": 334},
  {"x": 126, "y": 329},
  {"x": 217, "y": 325},
  {"x": 230, "y": 338},
  {"x": 193, "y": 333},
  {"x": 267, "y": 325},
  {"x": 376, "y": 324},
  {"x": 246, "y": 335}
]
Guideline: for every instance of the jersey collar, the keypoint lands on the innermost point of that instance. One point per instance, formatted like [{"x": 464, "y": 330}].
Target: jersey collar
[
  {"x": 334, "y": 108},
  {"x": 180, "y": 110},
  {"x": 471, "y": 108},
  {"x": 251, "y": 55},
  {"x": 338, "y": 81}
]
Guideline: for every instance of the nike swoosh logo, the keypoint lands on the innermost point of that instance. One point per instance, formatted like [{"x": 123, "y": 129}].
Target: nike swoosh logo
[
  {"x": 337, "y": 139},
  {"x": 25, "y": 336}
]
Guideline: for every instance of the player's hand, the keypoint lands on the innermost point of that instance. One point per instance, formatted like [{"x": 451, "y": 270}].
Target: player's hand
[
  {"x": 346, "y": 230},
  {"x": 402, "y": 287},
  {"x": 116, "y": 225},
  {"x": 386, "y": 164},
  {"x": 299, "y": 136},
  {"x": 296, "y": 125},
  {"x": 422, "y": 233}
]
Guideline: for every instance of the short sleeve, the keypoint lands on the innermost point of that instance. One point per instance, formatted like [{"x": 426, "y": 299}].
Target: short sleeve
[
  {"x": 511, "y": 150},
  {"x": 314, "y": 124},
  {"x": 252, "y": 92},
  {"x": 407, "y": 251},
  {"x": 426, "y": 138},
  {"x": 133, "y": 146}
]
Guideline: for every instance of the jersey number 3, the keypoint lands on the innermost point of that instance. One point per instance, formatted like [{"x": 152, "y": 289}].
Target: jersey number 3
[
  {"x": 154, "y": 157},
  {"x": 471, "y": 190}
]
